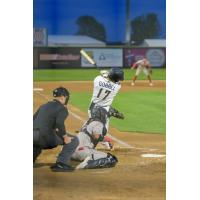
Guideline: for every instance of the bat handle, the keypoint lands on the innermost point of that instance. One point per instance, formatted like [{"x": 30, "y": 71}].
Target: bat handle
[{"x": 95, "y": 64}]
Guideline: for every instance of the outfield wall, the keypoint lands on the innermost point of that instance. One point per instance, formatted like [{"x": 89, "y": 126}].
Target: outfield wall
[{"x": 70, "y": 57}]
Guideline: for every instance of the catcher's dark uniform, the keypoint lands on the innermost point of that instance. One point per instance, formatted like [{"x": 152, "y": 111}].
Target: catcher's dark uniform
[{"x": 49, "y": 129}]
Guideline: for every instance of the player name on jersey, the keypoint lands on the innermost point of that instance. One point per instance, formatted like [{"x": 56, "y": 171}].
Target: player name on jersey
[
  {"x": 107, "y": 85},
  {"x": 104, "y": 91}
]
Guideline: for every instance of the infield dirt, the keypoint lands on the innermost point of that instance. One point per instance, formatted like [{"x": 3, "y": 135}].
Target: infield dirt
[{"x": 133, "y": 178}]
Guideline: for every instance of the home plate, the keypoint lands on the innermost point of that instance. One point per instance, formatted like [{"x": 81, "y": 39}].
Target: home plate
[
  {"x": 38, "y": 89},
  {"x": 149, "y": 155}
]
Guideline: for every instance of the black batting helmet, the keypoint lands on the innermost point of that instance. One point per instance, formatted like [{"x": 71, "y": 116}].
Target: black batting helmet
[
  {"x": 60, "y": 91},
  {"x": 116, "y": 74},
  {"x": 100, "y": 114}
]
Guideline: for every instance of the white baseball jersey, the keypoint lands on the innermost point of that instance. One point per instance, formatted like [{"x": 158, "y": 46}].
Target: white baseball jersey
[{"x": 104, "y": 92}]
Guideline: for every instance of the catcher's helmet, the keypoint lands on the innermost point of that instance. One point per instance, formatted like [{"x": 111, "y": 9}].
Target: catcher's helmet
[
  {"x": 116, "y": 74},
  {"x": 60, "y": 91},
  {"x": 100, "y": 114}
]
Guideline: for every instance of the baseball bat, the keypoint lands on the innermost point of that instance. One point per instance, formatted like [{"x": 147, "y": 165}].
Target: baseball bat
[
  {"x": 88, "y": 58},
  {"x": 104, "y": 73}
]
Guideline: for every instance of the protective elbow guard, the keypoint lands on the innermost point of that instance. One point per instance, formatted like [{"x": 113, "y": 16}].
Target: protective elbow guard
[{"x": 115, "y": 113}]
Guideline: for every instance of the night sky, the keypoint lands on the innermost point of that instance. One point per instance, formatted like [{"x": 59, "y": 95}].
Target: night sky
[{"x": 59, "y": 16}]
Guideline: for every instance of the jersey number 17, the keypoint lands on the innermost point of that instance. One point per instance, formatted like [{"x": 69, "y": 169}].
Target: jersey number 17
[{"x": 106, "y": 93}]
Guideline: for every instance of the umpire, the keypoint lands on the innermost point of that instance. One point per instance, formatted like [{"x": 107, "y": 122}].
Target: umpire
[{"x": 49, "y": 130}]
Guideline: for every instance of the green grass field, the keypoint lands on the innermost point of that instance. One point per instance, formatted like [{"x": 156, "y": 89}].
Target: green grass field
[
  {"x": 144, "y": 110},
  {"x": 86, "y": 74}
]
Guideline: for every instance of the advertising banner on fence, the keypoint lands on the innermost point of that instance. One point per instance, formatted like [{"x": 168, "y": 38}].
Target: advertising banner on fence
[
  {"x": 104, "y": 57},
  {"x": 58, "y": 58},
  {"x": 156, "y": 56}
]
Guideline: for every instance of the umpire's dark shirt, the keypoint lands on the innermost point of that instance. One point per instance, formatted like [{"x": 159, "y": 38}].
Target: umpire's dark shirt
[{"x": 49, "y": 117}]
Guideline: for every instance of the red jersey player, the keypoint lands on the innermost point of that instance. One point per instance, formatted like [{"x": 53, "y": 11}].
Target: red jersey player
[{"x": 142, "y": 65}]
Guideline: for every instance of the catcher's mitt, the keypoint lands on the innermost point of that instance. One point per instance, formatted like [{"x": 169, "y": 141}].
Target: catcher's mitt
[{"x": 115, "y": 113}]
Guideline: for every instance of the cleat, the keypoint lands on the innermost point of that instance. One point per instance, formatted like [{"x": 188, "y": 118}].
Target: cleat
[
  {"x": 150, "y": 84},
  {"x": 132, "y": 84},
  {"x": 84, "y": 163},
  {"x": 61, "y": 167}
]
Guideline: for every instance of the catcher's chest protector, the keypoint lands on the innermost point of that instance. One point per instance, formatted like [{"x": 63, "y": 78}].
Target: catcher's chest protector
[{"x": 94, "y": 141}]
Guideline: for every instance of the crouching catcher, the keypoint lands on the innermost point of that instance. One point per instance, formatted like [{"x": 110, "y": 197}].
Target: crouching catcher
[{"x": 93, "y": 132}]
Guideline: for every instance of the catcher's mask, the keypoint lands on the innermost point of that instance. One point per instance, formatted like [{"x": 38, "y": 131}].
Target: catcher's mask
[
  {"x": 100, "y": 114},
  {"x": 61, "y": 91},
  {"x": 116, "y": 74}
]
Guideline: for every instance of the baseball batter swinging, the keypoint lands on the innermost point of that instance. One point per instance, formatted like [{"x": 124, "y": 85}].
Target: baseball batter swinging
[{"x": 106, "y": 87}]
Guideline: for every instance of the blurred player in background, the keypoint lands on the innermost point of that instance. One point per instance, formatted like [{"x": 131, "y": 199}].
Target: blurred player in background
[{"x": 142, "y": 65}]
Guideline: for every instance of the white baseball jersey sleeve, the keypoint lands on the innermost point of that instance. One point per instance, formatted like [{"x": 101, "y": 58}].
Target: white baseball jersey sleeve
[{"x": 104, "y": 91}]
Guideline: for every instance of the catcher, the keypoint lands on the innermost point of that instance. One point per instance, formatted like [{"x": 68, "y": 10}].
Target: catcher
[
  {"x": 142, "y": 65},
  {"x": 107, "y": 142},
  {"x": 91, "y": 133}
]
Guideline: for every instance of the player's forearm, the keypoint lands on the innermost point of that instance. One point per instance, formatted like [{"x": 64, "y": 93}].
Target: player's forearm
[
  {"x": 133, "y": 66},
  {"x": 60, "y": 122},
  {"x": 61, "y": 128}
]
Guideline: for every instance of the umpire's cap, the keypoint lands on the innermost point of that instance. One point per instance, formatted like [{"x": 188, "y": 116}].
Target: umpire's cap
[
  {"x": 60, "y": 91},
  {"x": 116, "y": 74}
]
